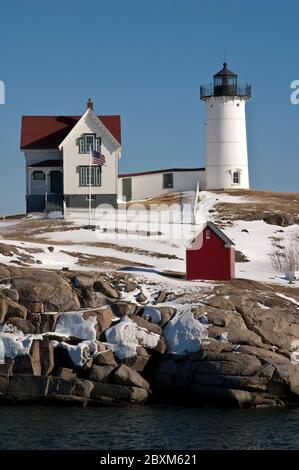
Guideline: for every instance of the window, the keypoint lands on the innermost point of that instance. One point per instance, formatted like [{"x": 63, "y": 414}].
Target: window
[
  {"x": 96, "y": 176},
  {"x": 81, "y": 146},
  {"x": 38, "y": 176},
  {"x": 89, "y": 142},
  {"x": 168, "y": 180},
  {"x": 236, "y": 177},
  {"x": 208, "y": 235}
]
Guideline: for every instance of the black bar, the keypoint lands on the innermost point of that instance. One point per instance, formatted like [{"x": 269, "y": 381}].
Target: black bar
[{"x": 141, "y": 459}]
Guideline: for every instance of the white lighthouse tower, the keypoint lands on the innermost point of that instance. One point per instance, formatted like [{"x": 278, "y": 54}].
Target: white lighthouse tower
[{"x": 225, "y": 132}]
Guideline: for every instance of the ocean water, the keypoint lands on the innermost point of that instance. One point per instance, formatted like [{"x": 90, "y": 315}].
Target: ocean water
[{"x": 152, "y": 427}]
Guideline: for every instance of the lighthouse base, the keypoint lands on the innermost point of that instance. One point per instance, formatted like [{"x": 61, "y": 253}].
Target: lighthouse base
[{"x": 227, "y": 177}]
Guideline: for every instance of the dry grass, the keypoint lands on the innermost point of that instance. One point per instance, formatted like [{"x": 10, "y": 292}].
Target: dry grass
[
  {"x": 129, "y": 249},
  {"x": 32, "y": 231},
  {"x": 257, "y": 193},
  {"x": 245, "y": 286},
  {"x": 29, "y": 229},
  {"x": 23, "y": 256},
  {"x": 113, "y": 246},
  {"x": 166, "y": 199},
  {"x": 259, "y": 204}
]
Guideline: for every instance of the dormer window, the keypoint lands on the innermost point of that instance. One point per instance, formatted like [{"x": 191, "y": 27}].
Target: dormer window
[{"x": 89, "y": 142}]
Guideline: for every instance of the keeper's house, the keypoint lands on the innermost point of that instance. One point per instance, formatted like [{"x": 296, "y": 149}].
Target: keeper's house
[{"x": 57, "y": 152}]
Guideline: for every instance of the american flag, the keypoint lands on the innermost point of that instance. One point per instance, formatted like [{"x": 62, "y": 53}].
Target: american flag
[{"x": 97, "y": 158}]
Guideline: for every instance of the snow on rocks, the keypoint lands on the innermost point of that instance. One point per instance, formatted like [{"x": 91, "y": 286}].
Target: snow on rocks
[
  {"x": 73, "y": 324},
  {"x": 80, "y": 353},
  {"x": 184, "y": 333},
  {"x": 14, "y": 342},
  {"x": 290, "y": 299},
  {"x": 210, "y": 348},
  {"x": 125, "y": 337},
  {"x": 152, "y": 314}
]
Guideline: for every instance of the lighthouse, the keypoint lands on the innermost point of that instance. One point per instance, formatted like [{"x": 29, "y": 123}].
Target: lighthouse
[{"x": 226, "y": 158}]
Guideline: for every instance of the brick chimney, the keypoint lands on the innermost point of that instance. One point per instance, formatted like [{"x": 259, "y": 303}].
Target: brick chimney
[{"x": 89, "y": 104}]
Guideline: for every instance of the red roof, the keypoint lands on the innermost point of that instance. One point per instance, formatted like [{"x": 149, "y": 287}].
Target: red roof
[
  {"x": 220, "y": 234},
  {"x": 47, "y": 163},
  {"x": 167, "y": 170},
  {"x": 47, "y": 132}
]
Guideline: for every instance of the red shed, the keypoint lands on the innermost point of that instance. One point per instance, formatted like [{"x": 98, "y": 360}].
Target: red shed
[{"x": 210, "y": 255}]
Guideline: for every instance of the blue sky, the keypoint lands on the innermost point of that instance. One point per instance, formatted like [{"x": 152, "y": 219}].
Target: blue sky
[{"x": 146, "y": 59}]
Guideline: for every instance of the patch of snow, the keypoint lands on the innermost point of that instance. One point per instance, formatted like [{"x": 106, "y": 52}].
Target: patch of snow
[
  {"x": 152, "y": 313},
  {"x": 208, "y": 200},
  {"x": 55, "y": 215},
  {"x": 224, "y": 336},
  {"x": 204, "y": 320},
  {"x": 153, "y": 297},
  {"x": 210, "y": 296},
  {"x": 290, "y": 299},
  {"x": 15, "y": 342},
  {"x": 36, "y": 216},
  {"x": 51, "y": 333},
  {"x": 184, "y": 333},
  {"x": 73, "y": 324},
  {"x": 124, "y": 338},
  {"x": 130, "y": 296},
  {"x": 257, "y": 246},
  {"x": 55, "y": 260},
  {"x": 264, "y": 307},
  {"x": 79, "y": 353},
  {"x": 5, "y": 286},
  {"x": 8, "y": 223}
]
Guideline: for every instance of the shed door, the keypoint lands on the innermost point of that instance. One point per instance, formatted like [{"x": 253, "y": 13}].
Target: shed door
[{"x": 127, "y": 188}]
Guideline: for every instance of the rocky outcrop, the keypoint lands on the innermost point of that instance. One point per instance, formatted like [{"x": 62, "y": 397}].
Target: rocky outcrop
[
  {"x": 280, "y": 219},
  {"x": 90, "y": 339},
  {"x": 48, "y": 288},
  {"x": 126, "y": 376},
  {"x": 247, "y": 359},
  {"x": 119, "y": 393}
]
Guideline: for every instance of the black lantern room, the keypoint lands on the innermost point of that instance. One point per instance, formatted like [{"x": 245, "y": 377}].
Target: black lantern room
[{"x": 225, "y": 84}]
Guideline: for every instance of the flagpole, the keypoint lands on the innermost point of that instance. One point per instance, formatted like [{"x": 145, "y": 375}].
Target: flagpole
[{"x": 89, "y": 199}]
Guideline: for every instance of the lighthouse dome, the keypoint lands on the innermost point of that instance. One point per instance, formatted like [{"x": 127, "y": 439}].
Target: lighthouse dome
[
  {"x": 225, "y": 72},
  {"x": 225, "y": 82}
]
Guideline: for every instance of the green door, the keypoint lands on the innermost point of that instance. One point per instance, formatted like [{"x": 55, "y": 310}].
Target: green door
[{"x": 127, "y": 188}]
